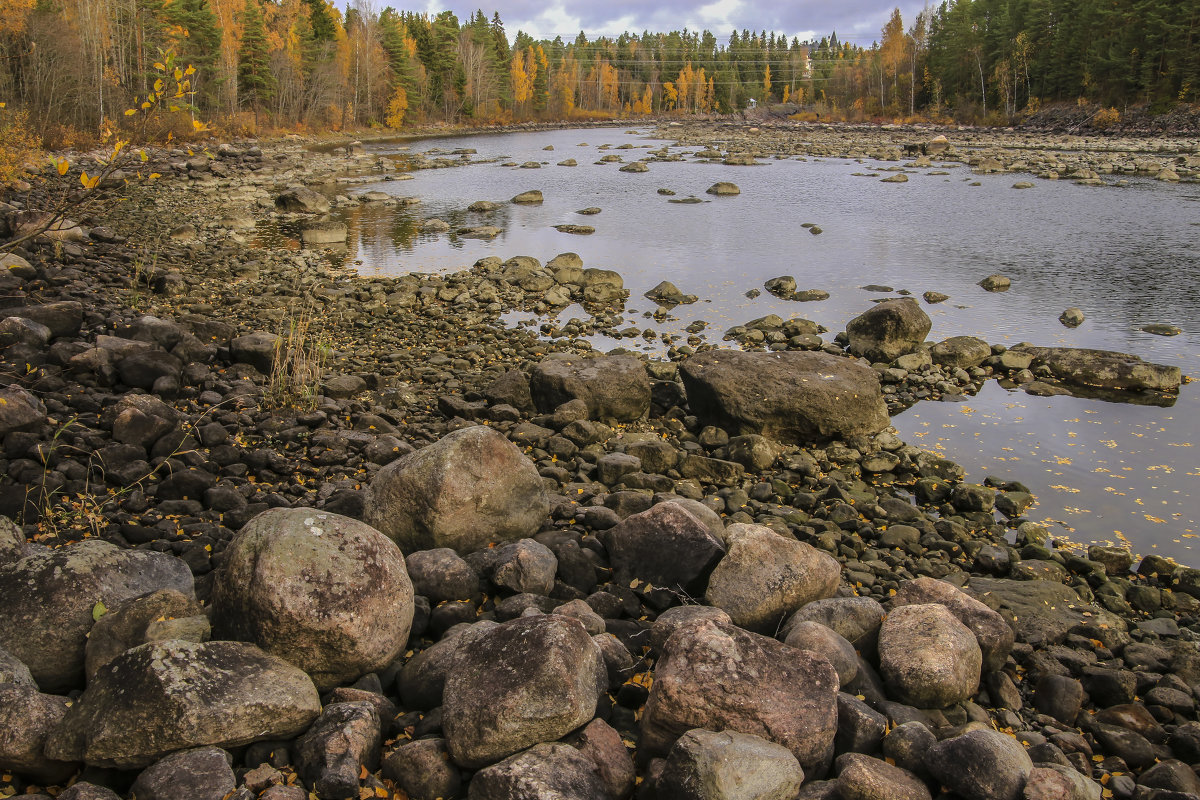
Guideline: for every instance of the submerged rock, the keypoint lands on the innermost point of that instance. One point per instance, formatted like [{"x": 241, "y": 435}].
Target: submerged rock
[{"x": 1105, "y": 369}]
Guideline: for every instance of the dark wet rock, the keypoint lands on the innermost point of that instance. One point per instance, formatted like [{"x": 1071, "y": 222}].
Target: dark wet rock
[
  {"x": 860, "y": 728},
  {"x": 63, "y": 318},
  {"x": 258, "y": 349},
  {"x": 706, "y": 765},
  {"x": 889, "y": 329},
  {"x": 927, "y": 657},
  {"x": 906, "y": 744},
  {"x": 1059, "y": 696},
  {"x": 613, "y": 387},
  {"x": 84, "y": 790},
  {"x": 27, "y": 718},
  {"x": 302, "y": 200},
  {"x": 524, "y": 566},
  {"x": 1072, "y": 317},
  {"x": 764, "y": 576},
  {"x": 56, "y": 592},
  {"x": 861, "y": 777},
  {"x": 325, "y": 592},
  {"x": 224, "y": 694},
  {"x": 20, "y": 411},
  {"x": 994, "y": 635},
  {"x": 666, "y": 547},
  {"x": 442, "y": 574},
  {"x": 719, "y": 677},
  {"x": 470, "y": 488},
  {"x": 530, "y": 680},
  {"x": 203, "y": 773},
  {"x": 423, "y": 770},
  {"x": 511, "y": 388},
  {"x": 791, "y": 397},
  {"x": 980, "y": 765},
  {"x": 1105, "y": 369},
  {"x": 1172, "y": 775},
  {"x": 543, "y": 772},
  {"x": 343, "y": 741},
  {"x": 996, "y": 283}
]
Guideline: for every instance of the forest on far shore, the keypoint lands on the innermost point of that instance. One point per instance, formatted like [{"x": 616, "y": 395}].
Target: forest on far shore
[{"x": 71, "y": 68}]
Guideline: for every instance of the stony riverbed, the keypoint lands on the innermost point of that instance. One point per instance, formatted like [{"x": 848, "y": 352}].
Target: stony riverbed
[{"x": 460, "y": 557}]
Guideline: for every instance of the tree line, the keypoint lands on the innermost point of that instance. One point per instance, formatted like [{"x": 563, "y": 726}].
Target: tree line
[{"x": 72, "y": 65}]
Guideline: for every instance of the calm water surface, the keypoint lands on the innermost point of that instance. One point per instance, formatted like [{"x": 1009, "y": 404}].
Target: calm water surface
[{"x": 1127, "y": 256}]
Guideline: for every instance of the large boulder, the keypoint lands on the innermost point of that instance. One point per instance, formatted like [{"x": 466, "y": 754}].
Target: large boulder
[
  {"x": 56, "y": 594},
  {"x": 1105, "y": 369},
  {"x": 856, "y": 619},
  {"x": 1042, "y": 613},
  {"x": 980, "y": 765},
  {"x": 960, "y": 351},
  {"x": 707, "y": 765},
  {"x": 717, "y": 676},
  {"x": 543, "y": 772},
  {"x": 889, "y": 330},
  {"x": 765, "y": 576},
  {"x": 324, "y": 592},
  {"x": 794, "y": 397},
  {"x": 20, "y": 411},
  {"x": 665, "y": 546},
  {"x": 614, "y": 387},
  {"x": 469, "y": 489},
  {"x": 203, "y": 773},
  {"x": 533, "y": 679},
  {"x": 167, "y": 696},
  {"x": 27, "y": 719},
  {"x": 927, "y": 657},
  {"x": 164, "y": 614},
  {"x": 994, "y": 635}
]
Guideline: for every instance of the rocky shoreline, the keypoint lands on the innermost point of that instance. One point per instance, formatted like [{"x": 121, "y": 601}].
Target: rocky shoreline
[{"x": 285, "y": 530}]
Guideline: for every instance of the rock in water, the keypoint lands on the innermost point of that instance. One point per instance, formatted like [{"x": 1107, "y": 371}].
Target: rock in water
[
  {"x": 1105, "y": 369},
  {"x": 531, "y": 197},
  {"x": 792, "y": 397},
  {"x": 960, "y": 351},
  {"x": 302, "y": 200},
  {"x": 723, "y": 189},
  {"x": 1072, "y": 317},
  {"x": 225, "y": 694},
  {"x": 706, "y": 765},
  {"x": 531, "y": 680},
  {"x": 325, "y": 592},
  {"x": 890, "y": 329},
  {"x": 764, "y": 577},
  {"x": 719, "y": 677},
  {"x": 470, "y": 488},
  {"x": 55, "y": 594},
  {"x": 614, "y": 387},
  {"x": 927, "y": 657},
  {"x": 996, "y": 283}
]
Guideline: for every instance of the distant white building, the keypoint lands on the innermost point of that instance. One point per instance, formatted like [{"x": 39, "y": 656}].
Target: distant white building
[{"x": 752, "y": 104}]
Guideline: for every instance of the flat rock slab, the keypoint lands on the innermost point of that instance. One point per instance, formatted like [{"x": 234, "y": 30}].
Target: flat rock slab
[
  {"x": 792, "y": 397},
  {"x": 1105, "y": 369},
  {"x": 1041, "y": 612},
  {"x": 167, "y": 696}
]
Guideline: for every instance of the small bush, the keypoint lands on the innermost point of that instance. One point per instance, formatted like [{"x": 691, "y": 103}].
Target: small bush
[
  {"x": 1105, "y": 118},
  {"x": 19, "y": 146}
]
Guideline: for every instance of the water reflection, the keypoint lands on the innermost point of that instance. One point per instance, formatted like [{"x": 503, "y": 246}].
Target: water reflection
[{"x": 1127, "y": 255}]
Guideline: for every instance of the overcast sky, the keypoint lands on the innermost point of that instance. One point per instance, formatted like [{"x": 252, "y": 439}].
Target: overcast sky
[{"x": 857, "y": 21}]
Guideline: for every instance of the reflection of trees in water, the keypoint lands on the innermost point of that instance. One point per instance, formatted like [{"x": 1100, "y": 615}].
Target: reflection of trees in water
[{"x": 377, "y": 233}]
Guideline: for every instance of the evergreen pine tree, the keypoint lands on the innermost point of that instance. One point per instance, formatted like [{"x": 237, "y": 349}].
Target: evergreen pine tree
[{"x": 256, "y": 83}]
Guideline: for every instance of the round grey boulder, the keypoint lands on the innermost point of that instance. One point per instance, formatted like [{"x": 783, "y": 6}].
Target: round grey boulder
[
  {"x": 707, "y": 765},
  {"x": 928, "y": 658},
  {"x": 764, "y": 576},
  {"x": 27, "y": 719},
  {"x": 471, "y": 488},
  {"x": 994, "y": 634},
  {"x": 890, "y": 329},
  {"x": 324, "y": 592},
  {"x": 530, "y": 680},
  {"x": 58, "y": 594},
  {"x": 861, "y": 777},
  {"x": 960, "y": 351},
  {"x": 827, "y": 643},
  {"x": 980, "y": 765}
]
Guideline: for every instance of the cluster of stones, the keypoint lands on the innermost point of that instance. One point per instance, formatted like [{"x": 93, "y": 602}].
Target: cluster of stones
[{"x": 528, "y": 575}]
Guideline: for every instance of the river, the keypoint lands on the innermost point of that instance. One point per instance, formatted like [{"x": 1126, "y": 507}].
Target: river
[{"x": 1128, "y": 255}]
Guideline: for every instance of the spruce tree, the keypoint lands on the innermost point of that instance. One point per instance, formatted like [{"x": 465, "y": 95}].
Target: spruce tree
[{"x": 256, "y": 83}]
